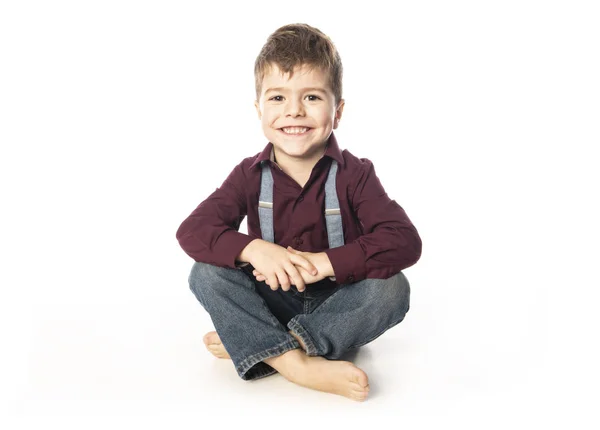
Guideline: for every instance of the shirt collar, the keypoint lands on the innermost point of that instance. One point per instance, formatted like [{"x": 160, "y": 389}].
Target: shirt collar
[{"x": 332, "y": 151}]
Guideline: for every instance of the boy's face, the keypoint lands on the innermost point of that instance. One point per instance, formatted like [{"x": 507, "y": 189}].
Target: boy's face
[{"x": 298, "y": 114}]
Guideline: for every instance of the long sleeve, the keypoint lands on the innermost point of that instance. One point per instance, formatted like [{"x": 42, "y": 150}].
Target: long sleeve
[
  {"x": 210, "y": 233},
  {"x": 389, "y": 243}
]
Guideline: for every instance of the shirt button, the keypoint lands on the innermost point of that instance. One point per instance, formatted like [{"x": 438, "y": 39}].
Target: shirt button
[
  {"x": 300, "y": 198},
  {"x": 351, "y": 278}
]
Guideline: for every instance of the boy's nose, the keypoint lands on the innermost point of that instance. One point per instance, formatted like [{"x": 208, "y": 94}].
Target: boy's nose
[{"x": 294, "y": 108}]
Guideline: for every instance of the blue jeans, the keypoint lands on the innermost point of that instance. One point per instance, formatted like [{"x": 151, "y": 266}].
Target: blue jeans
[{"x": 253, "y": 321}]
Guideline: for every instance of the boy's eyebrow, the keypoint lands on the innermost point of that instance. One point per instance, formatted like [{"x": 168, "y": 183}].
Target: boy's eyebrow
[{"x": 281, "y": 89}]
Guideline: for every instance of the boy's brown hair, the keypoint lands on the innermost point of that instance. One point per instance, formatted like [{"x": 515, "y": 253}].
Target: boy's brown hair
[{"x": 296, "y": 45}]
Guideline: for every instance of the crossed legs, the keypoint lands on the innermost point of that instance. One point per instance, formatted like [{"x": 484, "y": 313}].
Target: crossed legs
[{"x": 234, "y": 309}]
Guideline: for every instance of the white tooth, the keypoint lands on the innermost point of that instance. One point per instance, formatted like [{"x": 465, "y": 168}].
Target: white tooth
[{"x": 295, "y": 130}]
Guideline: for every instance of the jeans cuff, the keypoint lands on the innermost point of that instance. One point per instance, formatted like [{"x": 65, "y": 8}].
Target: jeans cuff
[
  {"x": 309, "y": 343},
  {"x": 253, "y": 367}
]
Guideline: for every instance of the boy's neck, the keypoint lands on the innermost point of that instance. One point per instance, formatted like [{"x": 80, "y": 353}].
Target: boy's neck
[{"x": 297, "y": 166}]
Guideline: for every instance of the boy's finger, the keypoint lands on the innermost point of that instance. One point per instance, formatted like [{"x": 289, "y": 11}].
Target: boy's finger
[
  {"x": 304, "y": 263},
  {"x": 285, "y": 285},
  {"x": 283, "y": 279},
  {"x": 297, "y": 279},
  {"x": 272, "y": 281}
]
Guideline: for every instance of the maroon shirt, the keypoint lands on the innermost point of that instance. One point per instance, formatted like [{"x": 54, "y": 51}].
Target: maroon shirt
[{"x": 379, "y": 238}]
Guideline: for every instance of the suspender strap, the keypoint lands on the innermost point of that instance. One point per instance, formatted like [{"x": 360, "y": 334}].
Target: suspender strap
[
  {"x": 333, "y": 217},
  {"x": 265, "y": 203}
]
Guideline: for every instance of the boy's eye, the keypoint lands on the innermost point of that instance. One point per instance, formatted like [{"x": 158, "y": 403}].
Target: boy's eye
[{"x": 280, "y": 98}]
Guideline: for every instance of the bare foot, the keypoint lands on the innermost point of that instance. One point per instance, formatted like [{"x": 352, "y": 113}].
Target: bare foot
[
  {"x": 337, "y": 377},
  {"x": 214, "y": 345}
]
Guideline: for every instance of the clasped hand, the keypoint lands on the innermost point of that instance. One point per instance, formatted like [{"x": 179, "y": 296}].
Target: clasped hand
[{"x": 278, "y": 266}]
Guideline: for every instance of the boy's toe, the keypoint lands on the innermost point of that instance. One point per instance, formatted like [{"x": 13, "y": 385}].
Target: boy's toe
[{"x": 211, "y": 338}]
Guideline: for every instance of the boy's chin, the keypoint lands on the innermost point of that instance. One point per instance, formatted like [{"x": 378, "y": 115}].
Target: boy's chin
[{"x": 299, "y": 151}]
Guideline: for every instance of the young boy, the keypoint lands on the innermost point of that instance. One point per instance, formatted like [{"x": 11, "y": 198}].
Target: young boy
[{"x": 319, "y": 272}]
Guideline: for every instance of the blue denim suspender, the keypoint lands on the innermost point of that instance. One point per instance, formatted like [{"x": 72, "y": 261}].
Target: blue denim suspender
[
  {"x": 333, "y": 217},
  {"x": 265, "y": 203}
]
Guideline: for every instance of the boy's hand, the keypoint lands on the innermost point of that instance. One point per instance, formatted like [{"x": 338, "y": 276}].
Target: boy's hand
[
  {"x": 278, "y": 265},
  {"x": 319, "y": 259}
]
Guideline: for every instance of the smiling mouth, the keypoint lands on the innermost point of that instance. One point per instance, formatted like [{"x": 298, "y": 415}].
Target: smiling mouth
[{"x": 295, "y": 131}]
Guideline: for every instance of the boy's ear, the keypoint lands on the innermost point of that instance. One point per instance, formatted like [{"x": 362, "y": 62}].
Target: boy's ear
[
  {"x": 338, "y": 113},
  {"x": 257, "y": 106}
]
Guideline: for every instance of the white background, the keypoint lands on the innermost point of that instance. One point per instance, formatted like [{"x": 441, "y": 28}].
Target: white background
[{"x": 117, "y": 118}]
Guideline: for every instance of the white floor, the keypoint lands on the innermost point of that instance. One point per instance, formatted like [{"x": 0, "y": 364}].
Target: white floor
[{"x": 457, "y": 360}]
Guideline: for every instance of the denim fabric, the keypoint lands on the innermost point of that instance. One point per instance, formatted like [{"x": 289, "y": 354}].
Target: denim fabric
[{"x": 253, "y": 321}]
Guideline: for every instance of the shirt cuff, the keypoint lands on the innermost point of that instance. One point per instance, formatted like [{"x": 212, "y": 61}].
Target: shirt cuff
[
  {"x": 231, "y": 244},
  {"x": 348, "y": 262}
]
